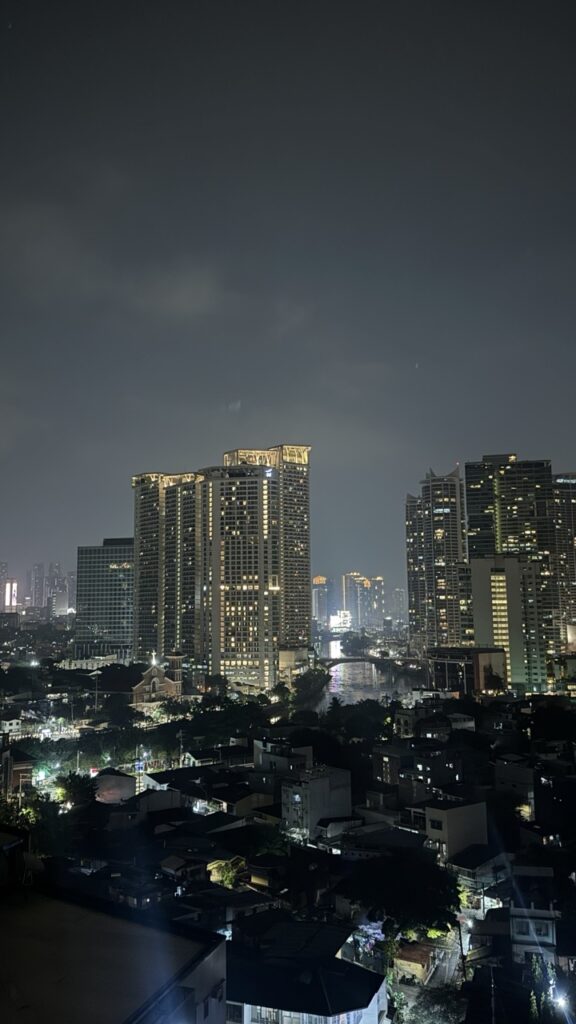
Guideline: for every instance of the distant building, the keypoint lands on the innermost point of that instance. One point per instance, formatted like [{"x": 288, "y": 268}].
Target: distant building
[
  {"x": 292, "y": 464},
  {"x": 498, "y": 609},
  {"x": 396, "y": 606},
  {"x": 164, "y": 561},
  {"x": 511, "y": 511},
  {"x": 320, "y": 601},
  {"x": 260, "y": 553},
  {"x": 564, "y": 491},
  {"x": 38, "y": 585},
  {"x": 56, "y": 590},
  {"x": 104, "y": 599},
  {"x": 363, "y": 598},
  {"x": 238, "y": 573},
  {"x": 10, "y": 595},
  {"x": 438, "y": 579}
]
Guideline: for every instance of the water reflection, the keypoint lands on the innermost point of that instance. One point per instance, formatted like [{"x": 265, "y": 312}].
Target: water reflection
[{"x": 361, "y": 681}]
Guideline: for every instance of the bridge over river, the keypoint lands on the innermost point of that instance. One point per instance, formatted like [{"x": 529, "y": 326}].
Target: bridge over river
[{"x": 384, "y": 664}]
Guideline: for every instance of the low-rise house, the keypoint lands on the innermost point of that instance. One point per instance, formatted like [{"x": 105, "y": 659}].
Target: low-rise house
[
  {"x": 279, "y": 756},
  {"x": 17, "y": 769},
  {"x": 389, "y": 759},
  {"x": 515, "y": 775},
  {"x": 533, "y": 914},
  {"x": 416, "y": 961},
  {"x": 308, "y": 796},
  {"x": 11, "y": 724},
  {"x": 526, "y": 925},
  {"x": 219, "y": 908},
  {"x": 406, "y": 720},
  {"x": 477, "y": 868},
  {"x": 135, "y": 811},
  {"x": 450, "y": 825}
]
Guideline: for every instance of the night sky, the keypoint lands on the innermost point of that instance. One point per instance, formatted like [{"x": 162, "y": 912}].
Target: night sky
[{"x": 239, "y": 223}]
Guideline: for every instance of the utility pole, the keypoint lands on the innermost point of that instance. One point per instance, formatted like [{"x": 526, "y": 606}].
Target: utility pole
[
  {"x": 492, "y": 995},
  {"x": 180, "y": 736},
  {"x": 462, "y": 954},
  {"x": 77, "y": 760}
]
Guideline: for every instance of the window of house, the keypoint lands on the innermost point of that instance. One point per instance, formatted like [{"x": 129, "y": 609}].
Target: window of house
[
  {"x": 522, "y": 928},
  {"x": 234, "y": 1013},
  {"x": 541, "y": 928},
  {"x": 436, "y": 824},
  {"x": 264, "y": 1015}
]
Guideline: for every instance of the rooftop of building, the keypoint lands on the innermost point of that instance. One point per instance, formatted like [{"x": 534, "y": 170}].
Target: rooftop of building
[
  {"x": 325, "y": 986},
  {"x": 450, "y": 805},
  {"x": 415, "y": 953},
  {"x": 277, "y": 933},
  {"x": 476, "y": 855},
  {"x": 65, "y": 961},
  {"x": 19, "y": 756}
]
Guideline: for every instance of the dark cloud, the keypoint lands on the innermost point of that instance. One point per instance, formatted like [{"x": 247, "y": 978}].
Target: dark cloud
[{"x": 225, "y": 223}]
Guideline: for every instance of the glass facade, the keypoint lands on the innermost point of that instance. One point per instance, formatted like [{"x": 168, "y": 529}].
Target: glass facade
[{"x": 104, "y": 596}]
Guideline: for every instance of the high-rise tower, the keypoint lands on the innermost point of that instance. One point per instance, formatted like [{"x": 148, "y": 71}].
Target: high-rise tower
[
  {"x": 291, "y": 463},
  {"x": 105, "y": 599},
  {"x": 511, "y": 512},
  {"x": 564, "y": 488},
  {"x": 164, "y": 550},
  {"x": 436, "y": 554},
  {"x": 238, "y": 572}
]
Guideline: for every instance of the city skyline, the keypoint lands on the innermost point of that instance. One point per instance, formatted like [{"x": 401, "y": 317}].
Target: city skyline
[
  {"x": 368, "y": 566},
  {"x": 357, "y": 255}
]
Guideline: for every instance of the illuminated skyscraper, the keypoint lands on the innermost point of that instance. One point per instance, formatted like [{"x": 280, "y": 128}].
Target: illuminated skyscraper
[
  {"x": 238, "y": 551},
  {"x": 38, "y": 585},
  {"x": 104, "y": 599},
  {"x": 363, "y": 597},
  {"x": 10, "y": 595},
  {"x": 511, "y": 512},
  {"x": 438, "y": 583},
  {"x": 320, "y": 606},
  {"x": 416, "y": 577},
  {"x": 497, "y": 588},
  {"x": 564, "y": 487},
  {"x": 396, "y": 606},
  {"x": 291, "y": 463},
  {"x": 164, "y": 550}
]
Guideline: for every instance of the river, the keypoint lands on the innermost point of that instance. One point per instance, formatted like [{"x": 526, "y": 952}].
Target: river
[{"x": 362, "y": 681}]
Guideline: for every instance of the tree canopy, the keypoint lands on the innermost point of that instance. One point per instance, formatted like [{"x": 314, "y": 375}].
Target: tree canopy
[{"x": 410, "y": 888}]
